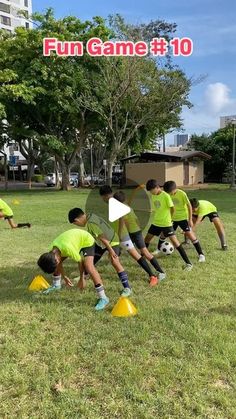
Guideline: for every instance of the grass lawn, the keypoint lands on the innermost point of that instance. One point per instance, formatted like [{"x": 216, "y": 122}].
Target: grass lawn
[{"x": 61, "y": 359}]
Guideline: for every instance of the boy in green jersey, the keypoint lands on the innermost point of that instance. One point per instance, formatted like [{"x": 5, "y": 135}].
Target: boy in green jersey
[
  {"x": 125, "y": 241},
  {"x": 202, "y": 209},
  {"x": 182, "y": 216},
  {"x": 162, "y": 220},
  {"x": 77, "y": 245},
  {"x": 131, "y": 223},
  {"x": 6, "y": 213},
  {"x": 106, "y": 240}
]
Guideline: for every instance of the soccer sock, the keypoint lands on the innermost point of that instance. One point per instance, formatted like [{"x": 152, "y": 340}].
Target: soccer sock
[
  {"x": 124, "y": 279},
  {"x": 147, "y": 245},
  {"x": 100, "y": 291},
  {"x": 183, "y": 254},
  {"x": 197, "y": 246},
  {"x": 20, "y": 225},
  {"x": 56, "y": 281},
  {"x": 156, "y": 265},
  {"x": 143, "y": 263},
  {"x": 222, "y": 239},
  {"x": 161, "y": 241}
]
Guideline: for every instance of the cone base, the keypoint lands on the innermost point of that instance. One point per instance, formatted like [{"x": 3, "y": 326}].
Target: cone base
[
  {"x": 39, "y": 283},
  {"x": 124, "y": 308}
]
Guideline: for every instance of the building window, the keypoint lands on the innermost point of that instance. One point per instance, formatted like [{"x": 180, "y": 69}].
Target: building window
[
  {"x": 5, "y": 20},
  {"x": 27, "y": 25},
  {"x": 26, "y": 3},
  {"x": 4, "y": 7}
]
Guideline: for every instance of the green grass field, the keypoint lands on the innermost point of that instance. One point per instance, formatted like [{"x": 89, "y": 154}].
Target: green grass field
[{"x": 61, "y": 359}]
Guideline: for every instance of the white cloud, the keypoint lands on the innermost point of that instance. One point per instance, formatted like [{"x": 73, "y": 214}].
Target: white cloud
[
  {"x": 217, "y": 98},
  {"x": 204, "y": 117}
]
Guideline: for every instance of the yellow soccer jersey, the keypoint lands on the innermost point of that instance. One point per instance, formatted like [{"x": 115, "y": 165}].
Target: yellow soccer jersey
[
  {"x": 71, "y": 242},
  {"x": 181, "y": 202},
  {"x": 5, "y": 209},
  {"x": 162, "y": 204}
]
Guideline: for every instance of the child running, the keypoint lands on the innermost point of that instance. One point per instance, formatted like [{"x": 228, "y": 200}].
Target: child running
[
  {"x": 77, "y": 245},
  {"x": 202, "y": 209},
  {"x": 6, "y": 213},
  {"x": 162, "y": 221},
  {"x": 105, "y": 240},
  {"x": 106, "y": 193},
  {"x": 182, "y": 216}
]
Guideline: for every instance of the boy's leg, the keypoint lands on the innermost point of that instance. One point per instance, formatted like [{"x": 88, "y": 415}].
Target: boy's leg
[
  {"x": 99, "y": 288},
  {"x": 129, "y": 247},
  {"x": 220, "y": 231},
  {"x": 189, "y": 234},
  {"x": 122, "y": 274},
  {"x": 180, "y": 249}
]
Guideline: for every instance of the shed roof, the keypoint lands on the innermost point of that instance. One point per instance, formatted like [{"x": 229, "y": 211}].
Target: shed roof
[{"x": 176, "y": 156}]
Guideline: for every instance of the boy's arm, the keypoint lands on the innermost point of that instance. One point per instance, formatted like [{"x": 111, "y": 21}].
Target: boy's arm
[
  {"x": 196, "y": 221},
  {"x": 172, "y": 211},
  {"x": 190, "y": 214},
  {"x": 106, "y": 243},
  {"x": 60, "y": 271},
  {"x": 81, "y": 284}
]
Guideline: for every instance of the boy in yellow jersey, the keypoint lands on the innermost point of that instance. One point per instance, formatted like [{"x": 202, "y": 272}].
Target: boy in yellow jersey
[
  {"x": 6, "y": 213},
  {"x": 125, "y": 241},
  {"x": 162, "y": 220},
  {"x": 130, "y": 221},
  {"x": 77, "y": 245},
  {"x": 182, "y": 216},
  {"x": 106, "y": 240},
  {"x": 202, "y": 209}
]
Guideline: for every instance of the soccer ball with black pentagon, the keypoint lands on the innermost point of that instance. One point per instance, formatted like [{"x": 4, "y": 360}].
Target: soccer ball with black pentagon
[{"x": 167, "y": 248}]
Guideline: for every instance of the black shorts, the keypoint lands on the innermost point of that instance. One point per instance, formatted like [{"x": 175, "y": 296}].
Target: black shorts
[
  {"x": 88, "y": 251},
  {"x": 99, "y": 251},
  {"x": 8, "y": 217},
  {"x": 183, "y": 224},
  {"x": 156, "y": 231},
  {"x": 137, "y": 239},
  {"x": 211, "y": 216}
]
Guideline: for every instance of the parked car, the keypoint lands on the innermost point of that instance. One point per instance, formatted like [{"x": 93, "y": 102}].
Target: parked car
[
  {"x": 50, "y": 179},
  {"x": 74, "y": 179}
]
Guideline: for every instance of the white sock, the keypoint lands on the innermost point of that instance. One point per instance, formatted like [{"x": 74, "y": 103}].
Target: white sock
[{"x": 56, "y": 281}]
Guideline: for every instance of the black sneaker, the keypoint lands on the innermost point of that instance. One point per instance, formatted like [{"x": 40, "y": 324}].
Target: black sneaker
[{"x": 225, "y": 247}]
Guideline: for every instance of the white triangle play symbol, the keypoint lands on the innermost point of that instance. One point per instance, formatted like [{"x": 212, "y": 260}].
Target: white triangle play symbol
[{"x": 117, "y": 210}]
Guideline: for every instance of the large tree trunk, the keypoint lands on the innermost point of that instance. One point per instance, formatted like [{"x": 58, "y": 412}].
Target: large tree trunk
[
  {"x": 65, "y": 176},
  {"x": 111, "y": 162},
  {"x": 6, "y": 172},
  {"x": 81, "y": 170},
  {"x": 30, "y": 172}
]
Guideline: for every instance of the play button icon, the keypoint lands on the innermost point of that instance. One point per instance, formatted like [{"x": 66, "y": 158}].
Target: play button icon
[{"x": 117, "y": 210}]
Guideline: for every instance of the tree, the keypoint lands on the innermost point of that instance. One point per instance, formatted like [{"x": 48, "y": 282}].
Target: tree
[
  {"x": 44, "y": 92},
  {"x": 219, "y": 146}
]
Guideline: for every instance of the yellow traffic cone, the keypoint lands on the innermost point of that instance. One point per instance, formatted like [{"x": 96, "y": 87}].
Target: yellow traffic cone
[
  {"x": 124, "y": 308},
  {"x": 39, "y": 283}
]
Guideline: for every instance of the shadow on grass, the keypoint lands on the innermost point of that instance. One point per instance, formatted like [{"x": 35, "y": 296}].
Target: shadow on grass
[{"x": 16, "y": 290}]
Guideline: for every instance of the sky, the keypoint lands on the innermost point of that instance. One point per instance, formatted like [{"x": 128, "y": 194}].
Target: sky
[{"x": 211, "y": 24}]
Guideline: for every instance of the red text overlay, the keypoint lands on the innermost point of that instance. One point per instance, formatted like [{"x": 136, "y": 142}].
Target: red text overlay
[{"x": 95, "y": 47}]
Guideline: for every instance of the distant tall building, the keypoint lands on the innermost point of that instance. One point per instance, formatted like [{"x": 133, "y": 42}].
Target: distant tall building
[
  {"x": 9, "y": 9},
  {"x": 181, "y": 139},
  {"x": 225, "y": 120}
]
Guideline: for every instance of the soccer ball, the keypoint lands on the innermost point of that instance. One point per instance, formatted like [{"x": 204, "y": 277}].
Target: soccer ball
[{"x": 167, "y": 248}]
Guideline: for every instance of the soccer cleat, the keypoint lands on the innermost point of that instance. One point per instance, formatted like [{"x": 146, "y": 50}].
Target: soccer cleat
[
  {"x": 51, "y": 289},
  {"x": 201, "y": 258},
  {"x": 102, "y": 303},
  {"x": 153, "y": 281},
  {"x": 225, "y": 247},
  {"x": 188, "y": 267},
  {"x": 156, "y": 252},
  {"x": 126, "y": 292},
  {"x": 161, "y": 276}
]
